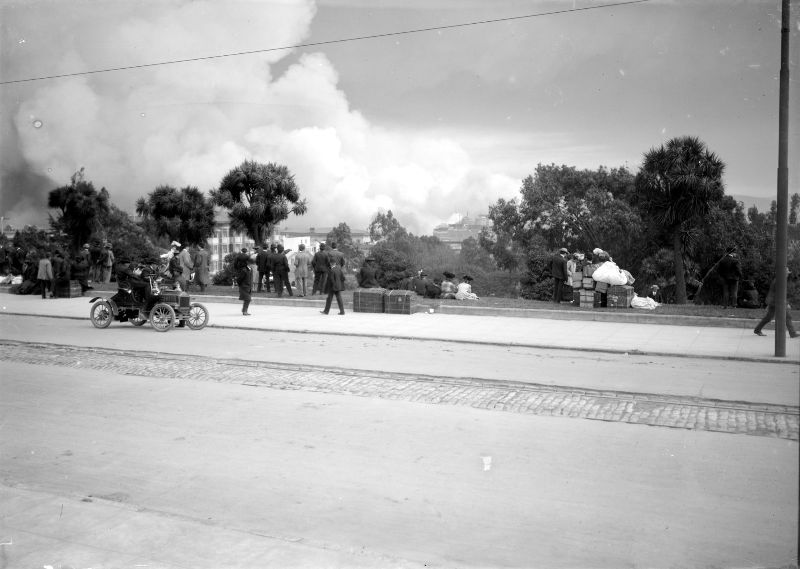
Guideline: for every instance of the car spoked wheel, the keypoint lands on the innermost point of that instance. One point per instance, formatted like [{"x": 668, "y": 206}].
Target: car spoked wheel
[
  {"x": 101, "y": 314},
  {"x": 162, "y": 317},
  {"x": 198, "y": 316}
]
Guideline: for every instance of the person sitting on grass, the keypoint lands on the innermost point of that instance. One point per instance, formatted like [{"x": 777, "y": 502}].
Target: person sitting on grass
[
  {"x": 448, "y": 287},
  {"x": 465, "y": 289}
]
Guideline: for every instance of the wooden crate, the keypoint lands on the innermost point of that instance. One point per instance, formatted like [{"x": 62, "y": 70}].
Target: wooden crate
[
  {"x": 71, "y": 291},
  {"x": 588, "y": 283},
  {"x": 586, "y": 299},
  {"x": 398, "y": 301},
  {"x": 369, "y": 300},
  {"x": 620, "y": 296},
  {"x": 601, "y": 287}
]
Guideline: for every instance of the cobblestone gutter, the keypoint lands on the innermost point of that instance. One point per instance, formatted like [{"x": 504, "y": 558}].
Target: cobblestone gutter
[{"x": 503, "y": 396}]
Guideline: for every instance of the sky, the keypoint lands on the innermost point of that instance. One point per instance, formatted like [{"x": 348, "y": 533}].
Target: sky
[{"x": 430, "y": 125}]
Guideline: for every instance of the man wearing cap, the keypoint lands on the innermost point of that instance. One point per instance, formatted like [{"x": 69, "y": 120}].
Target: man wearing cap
[
  {"x": 558, "y": 272},
  {"x": 730, "y": 271},
  {"x": 771, "y": 312},
  {"x": 106, "y": 263}
]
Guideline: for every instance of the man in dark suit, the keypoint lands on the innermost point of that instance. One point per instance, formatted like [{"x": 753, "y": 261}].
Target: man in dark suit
[
  {"x": 730, "y": 271},
  {"x": 320, "y": 265},
  {"x": 262, "y": 264},
  {"x": 280, "y": 271},
  {"x": 558, "y": 272}
]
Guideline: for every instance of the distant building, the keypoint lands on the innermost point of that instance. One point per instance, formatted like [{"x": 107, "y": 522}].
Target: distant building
[
  {"x": 313, "y": 236},
  {"x": 226, "y": 241},
  {"x": 453, "y": 234}
]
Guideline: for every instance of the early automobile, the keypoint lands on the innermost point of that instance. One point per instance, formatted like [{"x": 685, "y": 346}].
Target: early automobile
[{"x": 164, "y": 308}]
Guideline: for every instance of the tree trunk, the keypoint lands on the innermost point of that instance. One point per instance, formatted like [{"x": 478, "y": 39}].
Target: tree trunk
[{"x": 680, "y": 280}]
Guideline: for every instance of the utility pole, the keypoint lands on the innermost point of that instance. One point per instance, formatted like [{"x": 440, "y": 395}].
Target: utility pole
[{"x": 782, "y": 221}]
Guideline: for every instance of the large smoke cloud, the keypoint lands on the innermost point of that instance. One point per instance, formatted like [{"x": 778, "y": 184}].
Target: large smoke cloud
[{"x": 189, "y": 123}]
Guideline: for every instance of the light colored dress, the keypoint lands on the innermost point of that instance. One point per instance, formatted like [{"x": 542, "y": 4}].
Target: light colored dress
[{"x": 465, "y": 292}]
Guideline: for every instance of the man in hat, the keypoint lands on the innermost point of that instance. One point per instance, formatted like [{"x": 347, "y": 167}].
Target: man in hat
[
  {"x": 771, "y": 312},
  {"x": 558, "y": 272},
  {"x": 729, "y": 270},
  {"x": 367, "y": 275},
  {"x": 320, "y": 265},
  {"x": 106, "y": 262},
  {"x": 301, "y": 262}
]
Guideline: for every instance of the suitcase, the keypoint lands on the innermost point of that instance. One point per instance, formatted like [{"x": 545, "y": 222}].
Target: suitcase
[
  {"x": 369, "y": 300},
  {"x": 398, "y": 301}
]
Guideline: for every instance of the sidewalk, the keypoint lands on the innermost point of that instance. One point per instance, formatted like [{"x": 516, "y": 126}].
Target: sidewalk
[{"x": 300, "y": 315}]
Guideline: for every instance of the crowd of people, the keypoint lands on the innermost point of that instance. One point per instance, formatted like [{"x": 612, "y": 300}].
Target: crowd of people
[{"x": 268, "y": 268}]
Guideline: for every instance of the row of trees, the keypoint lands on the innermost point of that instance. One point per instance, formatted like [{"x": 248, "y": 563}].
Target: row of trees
[{"x": 667, "y": 223}]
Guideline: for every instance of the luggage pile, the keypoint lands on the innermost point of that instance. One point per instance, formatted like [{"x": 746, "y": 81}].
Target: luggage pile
[
  {"x": 380, "y": 300},
  {"x": 600, "y": 285}
]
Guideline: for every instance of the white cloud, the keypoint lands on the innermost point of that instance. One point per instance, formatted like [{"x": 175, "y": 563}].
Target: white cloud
[{"x": 189, "y": 123}]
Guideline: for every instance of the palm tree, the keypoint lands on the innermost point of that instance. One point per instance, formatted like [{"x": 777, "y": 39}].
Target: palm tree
[
  {"x": 258, "y": 197},
  {"x": 678, "y": 183}
]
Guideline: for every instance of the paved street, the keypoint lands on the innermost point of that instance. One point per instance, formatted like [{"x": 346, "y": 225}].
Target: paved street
[{"x": 236, "y": 447}]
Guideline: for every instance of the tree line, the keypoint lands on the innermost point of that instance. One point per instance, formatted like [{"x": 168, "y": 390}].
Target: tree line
[{"x": 667, "y": 224}]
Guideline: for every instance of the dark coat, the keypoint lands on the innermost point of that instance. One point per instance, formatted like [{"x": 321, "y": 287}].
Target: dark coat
[
  {"x": 262, "y": 261},
  {"x": 335, "y": 262},
  {"x": 558, "y": 267},
  {"x": 367, "y": 277},
  {"x": 280, "y": 265},
  {"x": 729, "y": 268},
  {"x": 245, "y": 282},
  {"x": 319, "y": 262}
]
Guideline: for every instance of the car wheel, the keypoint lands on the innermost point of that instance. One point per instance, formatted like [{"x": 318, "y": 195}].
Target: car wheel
[
  {"x": 101, "y": 314},
  {"x": 162, "y": 317},
  {"x": 198, "y": 316}
]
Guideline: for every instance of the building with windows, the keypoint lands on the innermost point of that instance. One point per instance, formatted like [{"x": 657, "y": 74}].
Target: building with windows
[
  {"x": 452, "y": 234},
  {"x": 226, "y": 241}
]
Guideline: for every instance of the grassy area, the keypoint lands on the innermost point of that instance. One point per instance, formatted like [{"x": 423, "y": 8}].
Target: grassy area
[{"x": 521, "y": 303}]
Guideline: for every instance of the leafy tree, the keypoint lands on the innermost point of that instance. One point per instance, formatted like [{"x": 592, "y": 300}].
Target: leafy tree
[
  {"x": 794, "y": 206},
  {"x": 258, "y": 197},
  {"x": 128, "y": 238},
  {"x": 392, "y": 266},
  {"x": 80, "y": 208},
  {"x": 561, "y": 206},
  {"x": 185, "y": 215},
  {"x": 385, "y": 227},
  {"x": 677, "y": 185},
  {"x": 473, "y": 255},
  {"x": 344, "y": 243}
]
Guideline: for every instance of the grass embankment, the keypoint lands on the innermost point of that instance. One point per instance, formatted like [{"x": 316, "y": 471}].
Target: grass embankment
[{"x": 522, "y": 303}]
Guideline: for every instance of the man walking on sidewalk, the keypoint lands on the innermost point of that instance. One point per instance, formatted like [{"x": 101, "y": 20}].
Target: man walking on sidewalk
[{"x": 771, "y": 312}]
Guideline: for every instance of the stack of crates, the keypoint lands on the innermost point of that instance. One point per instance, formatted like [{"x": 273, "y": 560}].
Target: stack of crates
[
  {"x": 369, "y": 300},
  {"x": 586, "y": 296},
  {"x": 620, "y": 296},
  {"x": 577, "y": 285}
]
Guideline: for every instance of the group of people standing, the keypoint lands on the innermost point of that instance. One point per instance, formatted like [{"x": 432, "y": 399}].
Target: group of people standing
[
  {"x": 184, "y": 262},
  {"x": 325, "y": 267},
  {"x": 47, "y": 272}
]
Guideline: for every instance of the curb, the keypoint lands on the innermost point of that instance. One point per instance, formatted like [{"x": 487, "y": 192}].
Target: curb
[{"x": 635, "y": 352}]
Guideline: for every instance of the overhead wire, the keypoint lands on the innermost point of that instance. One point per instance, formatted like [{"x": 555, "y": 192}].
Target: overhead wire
[{"x": 327, "y": 42}]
